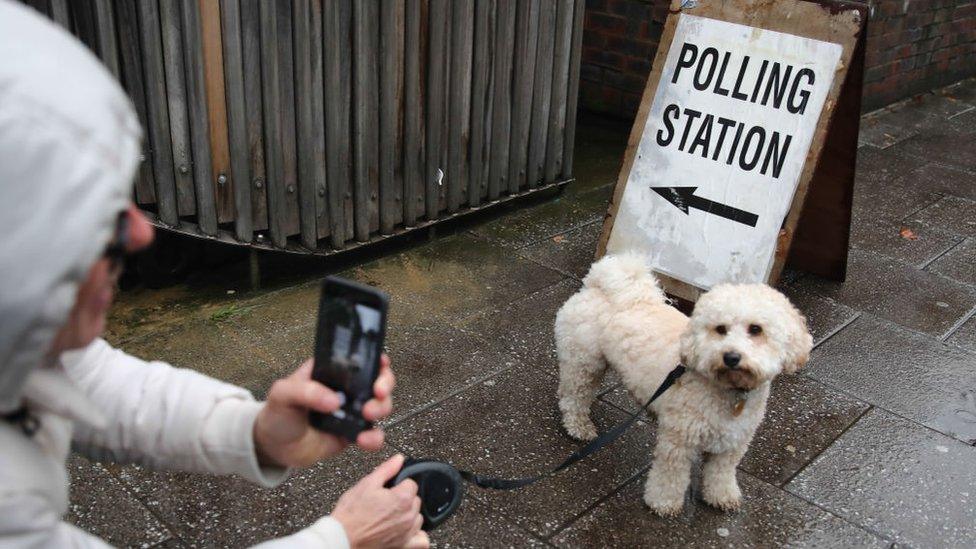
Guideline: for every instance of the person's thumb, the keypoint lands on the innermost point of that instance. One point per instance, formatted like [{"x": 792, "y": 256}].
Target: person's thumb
[{"x": 385, "y": 471}]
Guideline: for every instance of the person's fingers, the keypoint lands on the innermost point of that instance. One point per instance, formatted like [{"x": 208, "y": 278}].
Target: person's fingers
[
  {"x": 415, "y": 506},
  {"x": 299, "y": 393},
  {"x": 406, "y": 490},
  {"x": 385, "y": 471},
  {"x": 420, "y": 540},
  {"x": 418, "y": 523},
  {"x": 376, "y": 409},
  {"x": 371, "y": 440},
  {"x": 305, "y": 370},
  {"x": 385, "y": 381}
]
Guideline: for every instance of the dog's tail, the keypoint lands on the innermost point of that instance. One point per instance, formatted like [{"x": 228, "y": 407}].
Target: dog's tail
[{"x": 624, "y": 279}]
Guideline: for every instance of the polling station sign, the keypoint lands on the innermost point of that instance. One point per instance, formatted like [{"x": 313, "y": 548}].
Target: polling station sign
[{"x": 722, "y": 150}]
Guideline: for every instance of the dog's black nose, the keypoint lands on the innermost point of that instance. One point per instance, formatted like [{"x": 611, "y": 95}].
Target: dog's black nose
[{"x": 731, "y": 359}]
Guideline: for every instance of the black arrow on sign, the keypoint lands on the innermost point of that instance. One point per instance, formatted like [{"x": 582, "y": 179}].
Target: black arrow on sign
[{"x": 684, "y": 198}]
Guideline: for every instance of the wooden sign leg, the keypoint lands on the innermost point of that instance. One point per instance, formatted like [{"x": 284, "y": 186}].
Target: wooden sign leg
[{"x": 823, "y": 233}]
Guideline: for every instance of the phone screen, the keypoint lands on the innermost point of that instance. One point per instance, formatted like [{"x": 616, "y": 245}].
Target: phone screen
[{"x": 353, "y": 341}]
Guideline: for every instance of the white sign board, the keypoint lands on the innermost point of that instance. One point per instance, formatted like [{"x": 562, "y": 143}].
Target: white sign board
[{"x": 721, "y": 154}]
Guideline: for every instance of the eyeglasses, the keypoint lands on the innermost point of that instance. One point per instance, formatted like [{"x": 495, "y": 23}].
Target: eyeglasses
[{"x": 117, "y": 248}]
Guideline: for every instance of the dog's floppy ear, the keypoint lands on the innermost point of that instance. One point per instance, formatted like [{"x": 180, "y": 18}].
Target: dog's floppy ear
[{"x": 798, "y": 342}]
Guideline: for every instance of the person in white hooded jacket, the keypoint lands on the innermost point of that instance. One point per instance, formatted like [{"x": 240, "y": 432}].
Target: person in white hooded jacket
[{"x": 69, "y": 148}]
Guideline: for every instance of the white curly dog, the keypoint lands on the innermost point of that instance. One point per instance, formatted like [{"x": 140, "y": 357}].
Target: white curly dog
[{"x": 737, "y": 340}]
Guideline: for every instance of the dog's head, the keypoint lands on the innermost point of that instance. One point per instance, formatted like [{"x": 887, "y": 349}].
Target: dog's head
[{"x": 743, "y": 335}]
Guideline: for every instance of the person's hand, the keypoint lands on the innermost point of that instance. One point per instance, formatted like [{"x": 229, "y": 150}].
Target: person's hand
[
  {"x": 282, "y": 434},
  {"x": 374, "y": 516}
]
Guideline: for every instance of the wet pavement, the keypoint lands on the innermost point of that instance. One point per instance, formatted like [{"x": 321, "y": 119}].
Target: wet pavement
[{"x": 873, "y": 444}]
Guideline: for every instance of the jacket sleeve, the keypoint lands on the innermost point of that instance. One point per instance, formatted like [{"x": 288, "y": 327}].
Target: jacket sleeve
[
  {"x": 32, "y": 522},
  {"x": 166, "y": 417},
  {"x": 326, "y": 533}
]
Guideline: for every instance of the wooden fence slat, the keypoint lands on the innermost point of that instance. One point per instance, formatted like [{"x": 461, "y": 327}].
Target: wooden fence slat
[
  {"x": 254, "y": 111},
  {"x": 60, "y": 13},
  {"x": 480, "y": 100},
  {"x": 230, "y": 15},
  {"x": 436, "y": 69},
  {"x": 289, "y": 146},
  {"x": 84, "y": 25},
  {"x": 157, "y": 115},
  {"x": 336, "y": 41},
  {"x": 560, "y": 89},
  {"x": 526, "y": 40},
  {"x": 179, "y": 124},
  {"x": 214, "y": 85},
  {"x": 108, "y": 46},
  {"x": 501, "y": 115},
  {"x": 132, "y": 80},
  {"x": 272, "y": 123},
  {"x": 413, "y": 118},
  {"x": 199, "y": 118},
  {"x": 462, "y": 20},
  {"x": 391, "y": 114},
  {"x": 569, "y": 135},
  {"x": 542, "y": 93},
  {"x": 322, "y": 219},
  {"x": 306, "y": 122},
  {"x": 365, "y": 118}
]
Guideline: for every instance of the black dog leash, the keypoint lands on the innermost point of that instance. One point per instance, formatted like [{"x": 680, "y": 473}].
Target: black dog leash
[
  {"x": 592, "y": 447},
  {"x": 441, "y": 488}
]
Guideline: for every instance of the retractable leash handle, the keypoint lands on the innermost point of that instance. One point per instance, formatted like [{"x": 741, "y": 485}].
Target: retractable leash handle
[{"x": 440, "y": 485}]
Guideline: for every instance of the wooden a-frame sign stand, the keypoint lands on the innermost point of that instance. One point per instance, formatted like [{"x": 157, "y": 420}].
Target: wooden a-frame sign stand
[{"x": 815, "y": 233}]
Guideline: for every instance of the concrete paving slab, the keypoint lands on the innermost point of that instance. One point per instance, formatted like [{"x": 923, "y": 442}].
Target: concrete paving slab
[
  {"x": 769, "y": 518},
  {"x": 599, "y": 152},
  {"x": 533, "y": 225},
  {"x": 526, "y": 327},
  {"x": 965, "y": 336},
  {"x": 951, "y": 143},
  {"x": 452, "y": 277},
  {"x": 917, "y": 299},
  {"x": 436, "y": 361},
  {"x": 904, "y": 372},
  {"x": 570, "y": 253},
  {"x": 882, "y": 188},
  {"x": 952, "y": 213},
  {"x": 101, "y": 506},
  {"x": 946, "y": 180},
  {"x": 912, "y": 242},
  {"x": 211, "y": 511},
  {"x": 510, "y": 426},
  {"x": 959, "y": 263},
  {"x": 964, "y": 91},
  {"x": 476, "y": 524},
  {"x": 270, "y": 314},
  {"x": 803, "y": 417},
  {"x": 899, "y": 479},
  {"x": 824, "y": 316}
]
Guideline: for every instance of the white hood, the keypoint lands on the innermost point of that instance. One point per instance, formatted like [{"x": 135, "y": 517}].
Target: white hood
[{"x": 69, "y": 146}]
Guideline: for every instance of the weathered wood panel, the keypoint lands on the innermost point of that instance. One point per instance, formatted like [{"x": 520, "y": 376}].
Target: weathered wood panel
[
  {"x": 319, "y": 160},
  {"x": 391, "y": 115},
  {"x": 480, "y": 100},
  {"x": 526, "y": 40},
  {"x": 413, "y": 117},
  {"x": 337, "y": 44},
  {"x": 254, "y": 110},
  {"x": 60, "y": 13},
  {"x": 108, "y": 46},
  {"x": 541, "y": 95},
  {"x": 501, "y": 117},
  {"x": 132, "y": 80},
  {"x": 311, "y": 153},
  {"x": 572, "y": 97},
  {"x": 179, "y": 124},
  {"x": 199, "y": 118},
  {"x": 239, "y": 176},
  {"x": 365, "y": 118},
  {"x": 459, "y": 113},
  {"x": 213, "y": 78},
  {"x": 437, "y": 67},
  {"x": 560, "y": 88}
]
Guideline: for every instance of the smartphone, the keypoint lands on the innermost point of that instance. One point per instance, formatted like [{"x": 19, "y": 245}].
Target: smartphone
[{"x": 348, "y": 346}]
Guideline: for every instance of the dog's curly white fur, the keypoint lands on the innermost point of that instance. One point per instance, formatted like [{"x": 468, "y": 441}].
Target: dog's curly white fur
[{"x": 737, "y": 340}]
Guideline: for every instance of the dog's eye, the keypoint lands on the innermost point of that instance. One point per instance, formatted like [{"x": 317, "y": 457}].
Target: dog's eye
[
  {"x": 755, "y": 329},
  {"x": 721, "y": 329}
]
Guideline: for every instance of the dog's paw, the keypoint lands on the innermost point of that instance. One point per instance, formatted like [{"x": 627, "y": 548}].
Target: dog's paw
[
  {"x": 664, "y": 506},
  {"x": 580, "y": 428},
  {"x": 725, "y": 496}
]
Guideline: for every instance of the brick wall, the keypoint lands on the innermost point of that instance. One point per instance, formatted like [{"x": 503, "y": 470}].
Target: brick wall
[{"x": 913, "y": 46}]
